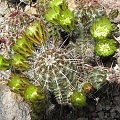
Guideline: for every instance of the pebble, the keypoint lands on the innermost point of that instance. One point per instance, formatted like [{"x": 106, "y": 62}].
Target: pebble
[
  {"x": 113, "y": 114},
  {"x": 108, "y": 107},
  {"x": 99, "y": 107},
  {"x": 91, "y": 108},
  {"x": 101, "y": 114}
]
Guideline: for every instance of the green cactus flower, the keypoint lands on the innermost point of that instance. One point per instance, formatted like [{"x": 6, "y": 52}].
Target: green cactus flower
[
  {"x": 101, "y": 28},
  {"x": 66, "y": 19},
  {"x": 33, "y": 94},
  {"x": 5, "y": 64},
  {"x": 105, "y": 47},
  {"x": 56, "y": 3},
  {"x": 35, "y": 32},
  {"x": 17, "y": 83},
  {"x": 52, "y": 15},
  {"x": 78, "y": 99},
  {"x": 19, "y": 62},
  {"x": 23, "y": 47}
]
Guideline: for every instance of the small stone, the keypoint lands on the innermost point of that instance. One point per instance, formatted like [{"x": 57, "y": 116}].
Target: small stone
[
  {"x": 112, "y": 110},
  {"x": 101, "y": 115},
  {"x": 113, "y": 115},
  {"x": 94, "y": 114},
  {"x": 108, "y": 107},
  {"x": 117, "y": 100},
  {"x": 115, "y": 93},
  {"x": 82, "y": 119},
  {"x": 99, "y": 107},
  {"x": 91, "y": 107}
]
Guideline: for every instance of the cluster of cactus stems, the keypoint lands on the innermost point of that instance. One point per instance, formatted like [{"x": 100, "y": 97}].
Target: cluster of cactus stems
[
  {"x": 55, "y": 68},
  {"x": 59, "y": 14}
]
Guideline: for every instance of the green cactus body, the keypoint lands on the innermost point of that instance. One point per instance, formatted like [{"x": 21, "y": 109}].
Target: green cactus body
[
  {"x": 35, "y": 33},
  {"x": 19, "y": 62},
  {"x": 23, "y": 47},
  {"x": 84, "y": 49},
  {"x": 56, "y": 72},
  {"x": 97, "y": 77},
  {"x": 18, "y": 82},
  {"x": 5, "y": 64},
  {"x": 105, "y": 47},
  {"x": 101, "y": 28}
]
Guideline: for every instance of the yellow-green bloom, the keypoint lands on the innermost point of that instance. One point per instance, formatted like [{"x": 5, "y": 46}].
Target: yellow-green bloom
[
  {"x": 66, "y": 19},
  {"x": 19, "y": 62},
  {"x": 23, "y": 46},
  {"x": 52, "y": 15},
  {"x": 33, "y": 94},
  {"x": 5, "y": 64},
  {"x": 105, "y": 47},
  {"x": 17, "y": 83},
  {"x": 78, "y": 99},
  {"x": 56, "y": 3},
  {"x": 35, "y": 32},
  {"x": 101, "y": 28}
]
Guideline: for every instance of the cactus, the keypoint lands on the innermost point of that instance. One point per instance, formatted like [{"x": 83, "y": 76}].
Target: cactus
[
  {"x": 55, "y": 71},
  {"x": 97, "y": 77},
  {"x": 84, "y": 49}
]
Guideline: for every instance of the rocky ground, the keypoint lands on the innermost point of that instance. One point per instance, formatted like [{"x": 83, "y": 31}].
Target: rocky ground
[{"x": 104, "y": 105}]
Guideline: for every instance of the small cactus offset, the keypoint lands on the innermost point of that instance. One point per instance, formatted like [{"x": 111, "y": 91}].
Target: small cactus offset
[{"x": 94, "y": 77}]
